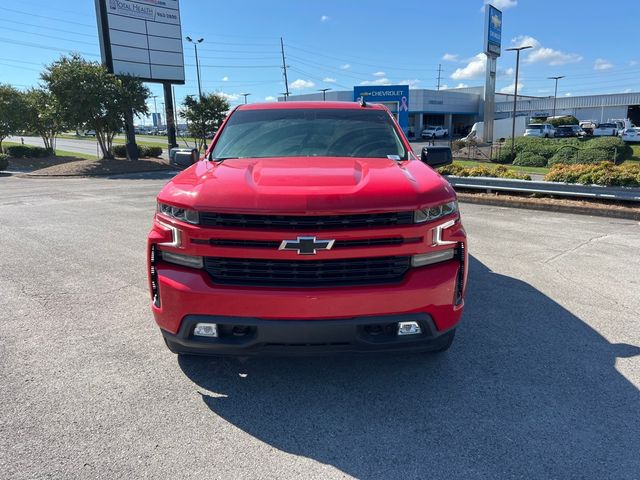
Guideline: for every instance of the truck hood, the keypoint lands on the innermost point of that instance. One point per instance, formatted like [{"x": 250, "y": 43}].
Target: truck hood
[{"x": 299, "y": 185}]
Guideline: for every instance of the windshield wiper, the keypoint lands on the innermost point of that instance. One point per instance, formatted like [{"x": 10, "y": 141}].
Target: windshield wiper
[{"x": 222, "y": 159}]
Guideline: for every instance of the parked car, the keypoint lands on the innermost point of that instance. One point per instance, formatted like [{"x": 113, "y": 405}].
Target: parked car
[
  {"x": 298, "y": 272},
  {"x": 631, "y": 134},
  {"x": 606, "y": 130},
  {"x": 588, "y": 126},
  {"x": 544, "y": 130},
  {"x": 564, "y": 131},
  {"x": 434, "y": 132}
]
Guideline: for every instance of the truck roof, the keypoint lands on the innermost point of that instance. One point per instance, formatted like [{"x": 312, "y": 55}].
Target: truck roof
[{"x": 315, "y": 105}]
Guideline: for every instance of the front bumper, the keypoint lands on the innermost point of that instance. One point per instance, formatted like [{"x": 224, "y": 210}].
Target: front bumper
[{"x": 287, "y": 337}]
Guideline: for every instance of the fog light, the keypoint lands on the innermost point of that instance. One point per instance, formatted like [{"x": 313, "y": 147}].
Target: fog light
[
  {"x": 206, "y": 330},
  {"x": 409, "y": 328}
]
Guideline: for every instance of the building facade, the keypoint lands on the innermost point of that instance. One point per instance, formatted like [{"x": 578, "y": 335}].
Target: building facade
[{"x": 458, "y": 109}]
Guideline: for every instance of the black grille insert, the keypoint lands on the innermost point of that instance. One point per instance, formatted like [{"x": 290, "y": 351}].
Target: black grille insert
[
  {"x": 306, "y": 273},
  {"x": 274, "y": 244},
  {"x": 290, "y": 222}
]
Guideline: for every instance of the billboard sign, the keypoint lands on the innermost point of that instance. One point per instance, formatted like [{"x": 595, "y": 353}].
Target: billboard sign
[
  {"x": 142, "y": 38},
  {"x": 492, "y": 30},
  {"x": 394, "y": 97}
]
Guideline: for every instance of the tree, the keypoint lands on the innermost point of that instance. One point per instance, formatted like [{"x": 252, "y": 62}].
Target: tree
[
  {"x": 12, "y": 109},
  {"x": 566, "y": 120},
  {"x": 94, "y": 99},
  {"x": 44, "y": 116},
  {"x": 204, "y": 115}
]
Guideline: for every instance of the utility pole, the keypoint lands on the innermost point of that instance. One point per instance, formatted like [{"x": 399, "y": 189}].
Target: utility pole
[
  {"x": 169, "y": 113},
  {"x": 284, "y": 68},
  {"x": 515, "y": 96},
  {"x": 439, "y": 75},
  {"x": 555, "y": 94},
  {"x": 285, "y": 94}
]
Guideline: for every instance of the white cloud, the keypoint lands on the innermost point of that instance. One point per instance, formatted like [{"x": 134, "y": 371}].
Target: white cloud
[
  {"x": 568, "y": 94},
  {"x": 509, "y": 72},
  {"x": 501, "y": 4},
  {"x": 346, "y": 66},
  {"x": 270, "y": 98},
  {"x": 301, "y": 84},
  {"x": 229, "y": 96},
  {"x": 602, "y": 64},
  {"x": 379, "y": 74},
  {"x": 377, "y": 81},
  {"x": 324, "y": 18},
  {"x": 627, "y": 90},
  {"x": 633, "y": 63},
  {"x": 546, "y": 55},
  {"x": 329, "y": 80},
  {"x": 225, "y": 79},
  {"x": 475, "y": 68},
  {"x": 413, "y": 83},
  {"x": 462, "y": 85},
  {"x": 450, "y": 57},
  {"x": 510, "y": 88},
  {"x": 444, "y": 87}
]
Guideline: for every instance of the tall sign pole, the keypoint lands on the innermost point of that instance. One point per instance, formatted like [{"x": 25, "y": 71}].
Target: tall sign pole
[
  {"x": 492, "y": 46},
  {"x": 143, "y": 39}
]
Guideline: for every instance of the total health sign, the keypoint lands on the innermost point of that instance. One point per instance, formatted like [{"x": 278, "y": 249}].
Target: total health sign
[{"x": 394, "y": 97}]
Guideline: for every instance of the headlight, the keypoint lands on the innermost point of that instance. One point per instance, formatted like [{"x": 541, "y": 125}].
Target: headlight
[
  {"x": 183, "y": 214},
  {"x": 433, "y": 213}
]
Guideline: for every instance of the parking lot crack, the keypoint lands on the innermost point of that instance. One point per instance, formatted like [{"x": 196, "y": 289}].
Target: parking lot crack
[{"x": 574, "y": 248}]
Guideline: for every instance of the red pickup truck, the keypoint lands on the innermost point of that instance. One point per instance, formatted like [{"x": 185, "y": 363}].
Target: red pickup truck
[{"x": 307, "y": 227}]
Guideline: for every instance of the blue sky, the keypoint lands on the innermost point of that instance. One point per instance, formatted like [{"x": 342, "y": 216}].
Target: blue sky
[{"x": 337, "y": 44}]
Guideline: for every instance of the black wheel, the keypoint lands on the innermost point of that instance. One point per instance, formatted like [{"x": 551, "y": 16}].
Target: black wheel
[
  {"x": 444, "y": 342},
  {"x": 546, "y": 135}
]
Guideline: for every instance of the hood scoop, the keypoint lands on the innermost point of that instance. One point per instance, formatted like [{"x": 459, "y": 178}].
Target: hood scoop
[{"x": 307, "y": 172}]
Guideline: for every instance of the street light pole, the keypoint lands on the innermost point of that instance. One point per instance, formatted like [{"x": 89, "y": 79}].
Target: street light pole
[
  {"x": 195, "y": 47},
  {"x": 155, "y": 110},
  {"x": 245, "y": 95},
  {"x": 555, "y": 94},
  {"x": 324, "y": 93},
  {"x": 515, "y": 96}
]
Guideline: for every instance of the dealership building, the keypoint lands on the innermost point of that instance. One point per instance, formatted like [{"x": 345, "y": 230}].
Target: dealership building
[{"x": 458, "y": 109}]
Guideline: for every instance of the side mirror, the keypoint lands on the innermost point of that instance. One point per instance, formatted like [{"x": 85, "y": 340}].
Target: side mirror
[
  {"x": 436, "y": 156},
  {"x": 183, "y": 157}
]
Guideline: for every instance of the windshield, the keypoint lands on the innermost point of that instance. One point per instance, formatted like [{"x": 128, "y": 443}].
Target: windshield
[
  {"x": 534, "y": 127},
  {"x": 301, "y": 132}
]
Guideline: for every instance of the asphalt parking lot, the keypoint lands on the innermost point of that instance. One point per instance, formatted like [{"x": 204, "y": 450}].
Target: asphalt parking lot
[{"x": 542, "y": 380}]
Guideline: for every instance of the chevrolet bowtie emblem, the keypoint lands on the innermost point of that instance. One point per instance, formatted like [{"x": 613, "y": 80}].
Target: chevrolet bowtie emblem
[{"x": 306, "y": 245}]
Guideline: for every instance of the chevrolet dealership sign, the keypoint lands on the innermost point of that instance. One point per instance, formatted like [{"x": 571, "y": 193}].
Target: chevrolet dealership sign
[{"x": 142, "y": 38}]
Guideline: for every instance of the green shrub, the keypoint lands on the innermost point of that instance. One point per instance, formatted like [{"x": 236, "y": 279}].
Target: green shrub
[
  {"x": 482, "y": 171},
  {"x": 151, "y": 151},
  {"x": 605, "y": 173},
  {"x": 27, "y": 151},
  {"x": 616, "y": 149},
  {"x": 503, "y": 156},
  {"x": 530, "y": 159},
  {"x": 542, "y": 146},
  {"x": 566, "y": 120},
  {"x": 120, "y": 151},
  {"x": 588, "y": 156},
  {"x": 4, "y": 161},
  {"x": 19, "y": 151}
]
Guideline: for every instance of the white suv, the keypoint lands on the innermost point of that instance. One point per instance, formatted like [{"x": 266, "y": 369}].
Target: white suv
[{"x": 544, "y": 130}]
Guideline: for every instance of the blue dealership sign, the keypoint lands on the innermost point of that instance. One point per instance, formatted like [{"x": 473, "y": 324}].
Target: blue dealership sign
[
  {"x": 493, "y": 31},
  {"x": 395, "y": 97}
]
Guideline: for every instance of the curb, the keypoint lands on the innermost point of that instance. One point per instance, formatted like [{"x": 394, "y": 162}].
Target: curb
[
  {"x": 548, "y": 205},
  {"x": 96, "y": 175}
]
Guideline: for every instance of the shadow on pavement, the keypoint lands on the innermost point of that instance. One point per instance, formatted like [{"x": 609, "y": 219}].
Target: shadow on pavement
[{"x": 528, "y": 390}]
